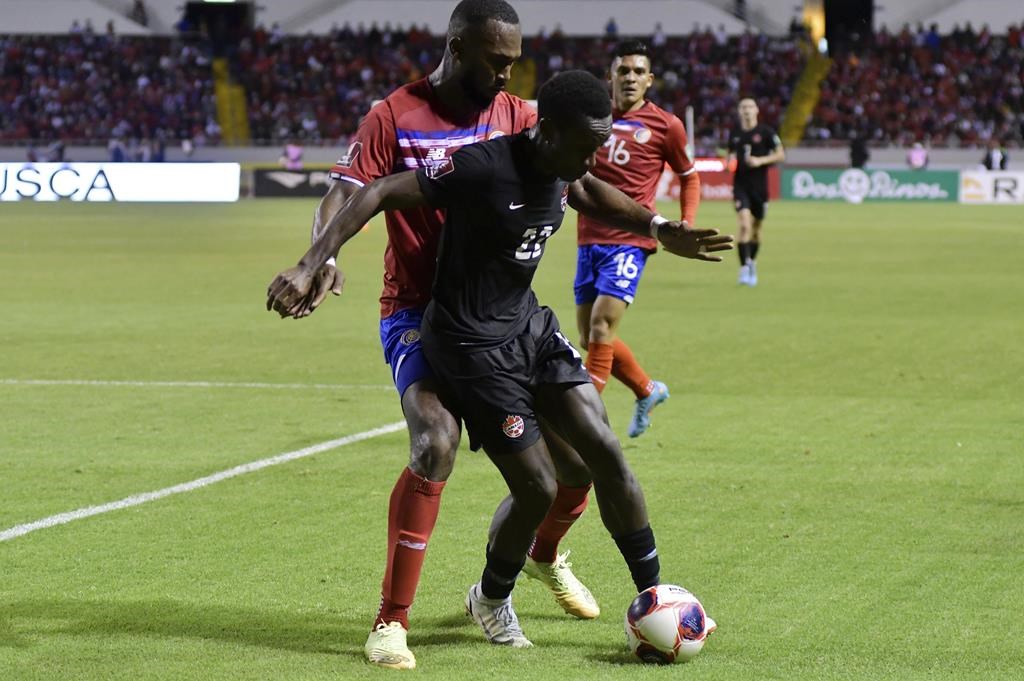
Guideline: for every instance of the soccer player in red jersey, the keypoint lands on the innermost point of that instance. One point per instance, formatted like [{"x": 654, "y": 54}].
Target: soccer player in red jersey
[
  {"x": 420, "y": 125},
  {"x": 610, "y": 261}
]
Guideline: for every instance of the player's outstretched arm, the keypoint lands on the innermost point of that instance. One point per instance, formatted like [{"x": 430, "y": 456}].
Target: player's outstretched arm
[
  {"x": 292, "y": 293},
  {"x": 601, "y": 201},
  {"x": 329, "y": 278}
]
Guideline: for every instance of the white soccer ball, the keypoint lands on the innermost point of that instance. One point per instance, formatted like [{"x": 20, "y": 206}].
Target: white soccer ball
[{"x": 665, "y": 624}]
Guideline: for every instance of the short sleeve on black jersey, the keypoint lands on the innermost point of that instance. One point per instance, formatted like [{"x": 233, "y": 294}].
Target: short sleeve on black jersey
[{"x": 465, "y": 173}]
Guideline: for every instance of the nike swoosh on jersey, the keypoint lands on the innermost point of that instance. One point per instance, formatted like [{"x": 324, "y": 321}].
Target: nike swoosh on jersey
[{"x": 515, "y": 206}]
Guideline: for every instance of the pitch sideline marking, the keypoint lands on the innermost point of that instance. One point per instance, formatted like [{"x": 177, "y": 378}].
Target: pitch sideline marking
[
  {"x": 196, "y": 384},
  {"x": 137, "y": 499}
]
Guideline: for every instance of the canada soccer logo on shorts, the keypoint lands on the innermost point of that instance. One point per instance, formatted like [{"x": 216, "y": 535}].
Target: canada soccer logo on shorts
[
  {"x": 410, "y": 337},
  {"x": 513, "y": 426}
]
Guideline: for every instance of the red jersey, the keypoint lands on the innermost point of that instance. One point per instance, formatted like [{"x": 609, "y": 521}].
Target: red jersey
[
  {"x": 409, "y": 130},
  {"x": 632, "y": 160}
]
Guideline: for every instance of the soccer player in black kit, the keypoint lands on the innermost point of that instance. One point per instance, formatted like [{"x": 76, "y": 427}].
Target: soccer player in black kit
[
  {"x": 499, "y": 356},
  {"x": 752, "y": 149}
]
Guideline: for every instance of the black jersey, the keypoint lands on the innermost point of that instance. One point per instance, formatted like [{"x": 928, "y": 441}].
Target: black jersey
[
  {"x": 500, "y": 213},
  {"x": 760, "y": 140}
]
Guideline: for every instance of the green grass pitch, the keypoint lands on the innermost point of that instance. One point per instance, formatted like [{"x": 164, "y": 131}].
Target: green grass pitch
[{"x": 838, "y": 475}]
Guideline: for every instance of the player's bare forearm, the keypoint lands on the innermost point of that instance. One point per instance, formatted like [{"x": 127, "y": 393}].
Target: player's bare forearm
[
  {"x": 393, "y": 192},
  {"x": 599, "y": 200},
  {"x": 339, "y": 192}
]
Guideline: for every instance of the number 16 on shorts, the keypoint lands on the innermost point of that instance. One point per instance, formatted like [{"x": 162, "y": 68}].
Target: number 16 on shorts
[{"x": 608, "y": 270}]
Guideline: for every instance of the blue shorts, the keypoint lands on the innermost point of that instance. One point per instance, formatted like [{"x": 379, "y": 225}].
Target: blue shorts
[
  {"x": 610, "y": 270},
  {"x": 400, "y": 336}
]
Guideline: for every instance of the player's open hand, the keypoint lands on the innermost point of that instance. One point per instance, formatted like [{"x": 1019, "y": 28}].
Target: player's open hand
[
  {"x": 328, "y": 279},
  {"x": 680, "y": 239},
  {"x": 290, "y": 292}
]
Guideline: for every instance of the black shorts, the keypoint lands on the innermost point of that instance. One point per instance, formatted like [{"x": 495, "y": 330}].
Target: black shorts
[
  {"x": 493, "y": 390},
  {"x": 751, "y": 198}
]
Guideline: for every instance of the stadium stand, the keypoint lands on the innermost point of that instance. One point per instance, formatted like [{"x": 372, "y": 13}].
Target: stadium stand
[
  {"x": 97, "y": 83},
  {"x": 96, "y": 87},
  {"x": 953, "y": 90}
]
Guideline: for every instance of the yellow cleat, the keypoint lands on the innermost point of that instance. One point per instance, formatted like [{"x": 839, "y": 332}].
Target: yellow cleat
[
  {"x": 386, "y": 647},
  {"x": 569, "y": 592}
]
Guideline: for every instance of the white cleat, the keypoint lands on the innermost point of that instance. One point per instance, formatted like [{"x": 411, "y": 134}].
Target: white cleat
[
  {"x": 744, "y": 278},
  {"x": 570, "y": 593},
  {"x": 497, "y": 618},
  {"x": 386, "y": 647},
  {"x": 752, "y": 274}
]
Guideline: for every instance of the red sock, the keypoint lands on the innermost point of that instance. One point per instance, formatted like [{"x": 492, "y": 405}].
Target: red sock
[
  {"x": 628, "y": 370},
  {"x": 569, "y": 504},
  {"x": 412, "y": 513},
  {"x": 599, "y": 363}
]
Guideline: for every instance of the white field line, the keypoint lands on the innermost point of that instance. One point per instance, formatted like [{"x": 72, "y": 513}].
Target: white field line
[
  {"x": 198, "y": 384},
  {"x": 137, "y": 499}
]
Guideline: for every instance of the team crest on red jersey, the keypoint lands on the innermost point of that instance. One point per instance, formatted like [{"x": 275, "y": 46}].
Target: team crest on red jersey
[
  {"x": 643, "y": 135},
  {"x": 440, "y": 169},
  {"x": 349, "y": 158},
  {"x": 495, "y": 134},
  {"x": 513, "y": 427}
]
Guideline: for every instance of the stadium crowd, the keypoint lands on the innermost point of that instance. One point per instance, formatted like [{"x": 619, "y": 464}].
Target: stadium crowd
[
  {"x": 959, "y": 89},
  {"x": 707, "y": 70},
  {"x": 316, "y": 88},
  {"x": 99, "y": 87}
]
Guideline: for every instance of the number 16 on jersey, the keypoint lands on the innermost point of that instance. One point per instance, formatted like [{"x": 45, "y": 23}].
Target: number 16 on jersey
[{"x": 617, "y": 152}]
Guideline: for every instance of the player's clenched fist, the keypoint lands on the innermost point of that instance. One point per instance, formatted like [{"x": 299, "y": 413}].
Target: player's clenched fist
[
  {"x": 680, "y": 239},
  {"x": 288, "y": 293}
]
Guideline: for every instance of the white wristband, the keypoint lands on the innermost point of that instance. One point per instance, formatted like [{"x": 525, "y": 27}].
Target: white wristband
[
  {"x": 656, "y": 222},
  {"x": 332, "y": 262}
]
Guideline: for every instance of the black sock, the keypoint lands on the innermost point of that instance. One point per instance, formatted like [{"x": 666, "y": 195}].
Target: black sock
[
  {"x": 742, "y": 249},
  {"x": 641, "y": 556},
  {"x": 753, "y": 245},
  {"x": 499, "y": 575}
]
